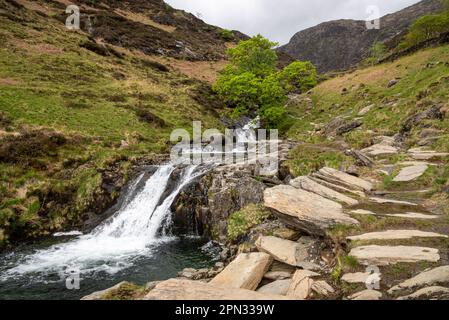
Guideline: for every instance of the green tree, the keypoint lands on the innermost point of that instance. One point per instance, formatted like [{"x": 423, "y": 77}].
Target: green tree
[
  {"x": 255, "y": 55},
  {"x": 251, "y": 82},
  {"x": 299, "y": 76},
  {"x": 426, "y": 28}
]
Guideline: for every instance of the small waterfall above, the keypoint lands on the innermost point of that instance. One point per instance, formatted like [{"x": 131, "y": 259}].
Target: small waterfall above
[{"x": 129, "y": 233}]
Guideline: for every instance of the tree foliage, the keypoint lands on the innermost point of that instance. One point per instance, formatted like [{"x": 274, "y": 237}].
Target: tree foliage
[
  {"x": 251, "y": 83},
  {"x": 299, "y": 76}
]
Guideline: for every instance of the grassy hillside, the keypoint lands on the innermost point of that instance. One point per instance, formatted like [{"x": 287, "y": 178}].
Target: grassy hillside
[
  {"x": 422, "y": 81},
  {"x": 75, "y": 115}
]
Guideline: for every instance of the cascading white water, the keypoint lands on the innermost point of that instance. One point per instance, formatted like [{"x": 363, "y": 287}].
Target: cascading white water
[
  {"x": 132, "y": 232},
  {"x": 126, "y": 235}
]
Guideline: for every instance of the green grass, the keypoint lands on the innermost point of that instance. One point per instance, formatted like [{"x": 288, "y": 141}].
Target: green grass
[
  {"x": 240, "y": 222},
  {"x": 48, "y": 85}
]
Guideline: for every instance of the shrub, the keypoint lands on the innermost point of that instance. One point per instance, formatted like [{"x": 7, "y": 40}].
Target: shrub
[{"x": 226, "y": 35}]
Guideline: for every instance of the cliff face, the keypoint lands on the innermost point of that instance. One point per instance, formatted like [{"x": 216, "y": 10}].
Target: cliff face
[{"x": 338, "y": 45}]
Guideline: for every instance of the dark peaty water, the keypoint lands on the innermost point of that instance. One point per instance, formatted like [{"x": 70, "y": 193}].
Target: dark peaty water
[{"x": 164, "y": 262}]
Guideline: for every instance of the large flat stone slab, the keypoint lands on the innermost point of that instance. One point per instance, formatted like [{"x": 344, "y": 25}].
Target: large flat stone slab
[
  {"x": 387, "y": 255},
  {"x": 413, "y": 215},
  {"x": 304, "y": 210},
  {"x": 179, "y": 289},
  {"x": 411, "y": 173},
  {"x": 346, "y": 178},
  {"x": 425, "y": 154},
  {"x": 392, "y": 201},
  {"x": 431, "y": 277},
  {"x": 335, "y": 186},
  {"x": 396, "y": 235},
  {"x": 308, "y": 184},
  {"x": 286, "y": 251},
  {"x": 245, "y": 272}
]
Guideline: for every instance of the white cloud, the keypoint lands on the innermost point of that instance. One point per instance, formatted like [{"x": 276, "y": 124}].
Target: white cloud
[{"x": 279, "y": 20}]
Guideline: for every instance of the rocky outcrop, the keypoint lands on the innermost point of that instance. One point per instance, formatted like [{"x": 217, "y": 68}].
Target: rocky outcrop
[
  {"x": 204, "y": 207},
  {"x": 304, "y": 210},
  {"x": 177, "y": 289},
  {"x": 338, "y": 45},
  {"x": 245, "y": 272}
]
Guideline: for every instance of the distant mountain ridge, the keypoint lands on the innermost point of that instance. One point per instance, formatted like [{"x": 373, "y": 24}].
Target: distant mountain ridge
[{"x": 340, "y": 44}]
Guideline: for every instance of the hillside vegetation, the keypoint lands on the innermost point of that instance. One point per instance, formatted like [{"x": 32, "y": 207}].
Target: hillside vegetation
[{"x": 76, "y": 114}]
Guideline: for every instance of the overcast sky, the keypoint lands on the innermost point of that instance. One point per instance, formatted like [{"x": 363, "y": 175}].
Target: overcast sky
[{"x": 280, "y": 19}]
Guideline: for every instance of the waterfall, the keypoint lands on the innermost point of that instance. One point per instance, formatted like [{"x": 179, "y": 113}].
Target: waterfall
[{"x": 131, "y": 232}]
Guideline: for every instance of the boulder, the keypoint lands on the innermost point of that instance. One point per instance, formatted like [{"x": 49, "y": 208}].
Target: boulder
[
  {"x": 305, "y": 210},
  {"x": 387, "y": 255},
  {"x": 411, "y": 173},
  {"x": 289, "y": 252},
  {"x": 301, "y": 285},
  {"x": 278, "y": 287},
  {"x": 396, "y": 235},
  {"x": 245, "y": 272},
  {"x": 366, "y": 295},
  {"x": 179, "y": 289},
  {"x": 339, "y": 126},
  {"x": 308, "y": 184},
  {"x": 431, "y": 277}
]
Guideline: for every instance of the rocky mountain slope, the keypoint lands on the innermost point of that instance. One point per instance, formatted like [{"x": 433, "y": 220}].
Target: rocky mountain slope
[{"x": 338, "y": 45}]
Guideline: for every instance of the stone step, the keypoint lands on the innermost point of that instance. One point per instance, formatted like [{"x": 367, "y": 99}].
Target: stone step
[
  {"x": 308, "y": 184},
  {"x": 304, "y": 210},
  {"x": 380, "y": 149},
  {"x": 431, "y": 277},
  {"x": 178, "y": 289},
  {"x": 428, "y": 293},
  {"x": 396, "y": 235},
  {"x": 406, "y": 215},
  {"x": 387, "y": 255},
  {"x": 355, "y": 182},
  {"x": 411, "y": 173},
  {"x": 337, "y": 187},
  {"x": 425, "y": 154},
  {"x": 245, "y": 272},
  {"x": 392, "y": 201}
]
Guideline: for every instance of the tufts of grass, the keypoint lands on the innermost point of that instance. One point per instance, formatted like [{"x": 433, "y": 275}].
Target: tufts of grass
[{"x": 242, "y": 221}]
